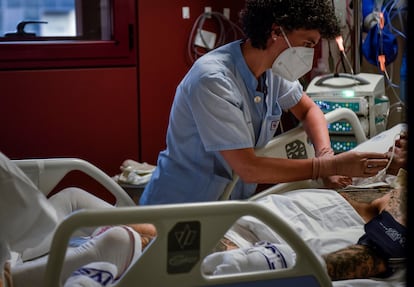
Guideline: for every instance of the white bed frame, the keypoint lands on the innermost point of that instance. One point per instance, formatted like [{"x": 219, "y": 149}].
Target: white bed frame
[
  {"x": 212, "y": 220},
  {"x": 160, "y": 265},
  {"x": 47, "y": 173}
]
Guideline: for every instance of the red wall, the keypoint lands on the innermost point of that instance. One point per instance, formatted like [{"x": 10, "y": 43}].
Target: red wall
[
  {"x": 85, "y": 113},
  {"x": 163, "y": 36}
]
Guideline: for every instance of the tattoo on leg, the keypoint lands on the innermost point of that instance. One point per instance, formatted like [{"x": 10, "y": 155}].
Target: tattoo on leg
[{"x": 356, "y": 261}]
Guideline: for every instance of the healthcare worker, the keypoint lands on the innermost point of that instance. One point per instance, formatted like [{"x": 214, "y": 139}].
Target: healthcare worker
[{"x": 231, "y": 100}]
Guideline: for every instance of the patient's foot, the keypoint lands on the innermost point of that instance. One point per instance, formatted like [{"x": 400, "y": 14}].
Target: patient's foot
[
  {"x": 262, "y": 256},
  {"x": 225, "y": 244},
  {"x": 118, "y": 245},
  {"x": 128, "y": 247}
]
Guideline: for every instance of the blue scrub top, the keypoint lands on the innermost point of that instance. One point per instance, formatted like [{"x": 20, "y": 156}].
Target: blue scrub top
[{"x": 216, "y": 107}]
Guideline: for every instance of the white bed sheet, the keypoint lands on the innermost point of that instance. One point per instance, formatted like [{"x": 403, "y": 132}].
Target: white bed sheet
[{"x": 323, "y": 218}]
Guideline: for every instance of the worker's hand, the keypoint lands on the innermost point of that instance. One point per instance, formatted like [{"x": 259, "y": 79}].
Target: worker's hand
[
  {"x": 336, "y": 181},
  {"x": 351, "y": 163}
]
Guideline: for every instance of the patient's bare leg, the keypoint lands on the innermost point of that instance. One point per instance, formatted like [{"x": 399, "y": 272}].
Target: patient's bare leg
[{"x": 395, "y": 202}]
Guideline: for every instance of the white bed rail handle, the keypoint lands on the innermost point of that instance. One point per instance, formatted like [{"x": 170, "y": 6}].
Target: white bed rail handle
[
  {"x": 47, "y": 173},
  {"x": 352, "y": 118}
]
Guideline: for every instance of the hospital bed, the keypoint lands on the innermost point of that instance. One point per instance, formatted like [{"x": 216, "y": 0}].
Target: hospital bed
[
  {"x": 31, "y": 181},
  {"x": 204, "y": 223},
  {"x": 171, "y": 260},
  {"x": 174, "y": 261}
]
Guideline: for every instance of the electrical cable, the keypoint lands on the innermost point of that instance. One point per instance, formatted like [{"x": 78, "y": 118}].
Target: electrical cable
[{"x": 227, "y": 31}]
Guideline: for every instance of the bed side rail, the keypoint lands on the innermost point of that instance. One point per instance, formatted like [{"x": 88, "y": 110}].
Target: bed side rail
[{"x": 169, "y": 261}]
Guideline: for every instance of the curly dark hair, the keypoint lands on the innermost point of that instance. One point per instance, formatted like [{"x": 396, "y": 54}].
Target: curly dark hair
[{"x": 258, "y": 16}]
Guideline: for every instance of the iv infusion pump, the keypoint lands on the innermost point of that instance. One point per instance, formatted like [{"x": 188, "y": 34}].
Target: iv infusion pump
[{"x": 363, "y": 93}]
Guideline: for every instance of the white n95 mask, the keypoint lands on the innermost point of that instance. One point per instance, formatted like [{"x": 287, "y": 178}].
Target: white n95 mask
[{"x": 294, "y": 62}]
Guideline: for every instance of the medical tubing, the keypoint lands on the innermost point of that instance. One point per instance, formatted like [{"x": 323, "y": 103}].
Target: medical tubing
[{"x": 392, "y": 152}]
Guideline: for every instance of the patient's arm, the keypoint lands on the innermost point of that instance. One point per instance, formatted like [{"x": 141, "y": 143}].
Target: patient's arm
[
  {"x": 395, "y": 202},
  {"x": 360, "y": 261},
  {"x": 357, "y": 261}
]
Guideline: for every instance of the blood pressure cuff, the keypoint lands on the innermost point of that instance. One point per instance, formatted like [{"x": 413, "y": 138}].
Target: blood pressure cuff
[{"x": 385, "y": 236}]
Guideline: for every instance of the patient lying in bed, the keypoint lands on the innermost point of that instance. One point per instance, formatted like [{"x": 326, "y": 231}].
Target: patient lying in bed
[
  {"x": 329, "y": 224},
  {"x": 259, "y": 248},
  {"x": 332, "y": 226},
  {"x": 262, "y": 240},
  {"x": 28, "y": 224},
  {"x": 88, "y": 245}
]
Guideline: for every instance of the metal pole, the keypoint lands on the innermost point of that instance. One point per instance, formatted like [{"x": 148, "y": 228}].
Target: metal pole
[{"x": 357, "y": 7}]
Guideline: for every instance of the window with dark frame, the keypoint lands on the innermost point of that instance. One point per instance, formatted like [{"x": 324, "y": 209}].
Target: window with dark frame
[{"x": 66, "y": 33}]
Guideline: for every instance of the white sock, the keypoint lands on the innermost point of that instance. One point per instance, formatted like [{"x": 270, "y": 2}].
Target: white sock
[
  {"x": 127, "y": 245},
  {"x": 262, "y": 256},
  {"x": 96, "y": 274}
]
